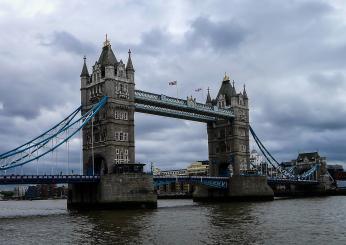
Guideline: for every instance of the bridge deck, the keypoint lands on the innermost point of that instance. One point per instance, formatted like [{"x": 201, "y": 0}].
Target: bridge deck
[
  {"x": 214, "y": 182},
  {"x": 173, "y": 107},
  {"x": 47, "y": 179}
]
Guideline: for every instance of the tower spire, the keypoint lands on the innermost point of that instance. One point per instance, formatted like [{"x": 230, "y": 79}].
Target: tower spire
[
  {"x": 106, "y": 42},
  {"x": 244, "y": 92},
  {"x": 234, "y": 92},
  {"x": 129, "y": 66},
  {"x": 208, "y": 97},
  {"x": 85, "y": 72}
]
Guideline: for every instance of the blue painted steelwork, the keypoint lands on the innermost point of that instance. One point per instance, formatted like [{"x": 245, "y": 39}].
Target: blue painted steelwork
[
  {"x": 222, "y": 182},
  {"x": 43, "y": 137},
  {"x": 161, "y": 111},
  {"x": 297, "y": 181},
  {"x": 47, "y": 179},
  {"x": 285, "y": 174},
  {"x": 213, "y": 182},
  {"x": 170, "y": 104},
  {"x": 39, "y": 147},
  {"x": 310, "y": 174}
]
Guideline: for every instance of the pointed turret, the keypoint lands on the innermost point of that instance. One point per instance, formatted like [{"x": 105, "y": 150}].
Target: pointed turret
[
  {"x": 244, "y": 93},
  {"x": 130, "y": 72},
  {"x": 85, "y": 72},
  {"x": 129, "y": 66},
  {"x": 208, "y": 102},
  {"x": 234, "y": 92},
  {"x": 107, "y": 57}
]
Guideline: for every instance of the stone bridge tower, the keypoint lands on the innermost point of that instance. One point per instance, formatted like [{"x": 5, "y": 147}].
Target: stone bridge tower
[
  {"x": 228, "y": 141},
  {"x": 111, "y": 140}
]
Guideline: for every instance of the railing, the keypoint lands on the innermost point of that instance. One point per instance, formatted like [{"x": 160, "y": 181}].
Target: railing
[
  {"x": 47, "y": 179},
  {"x": 213, "y": 182}
]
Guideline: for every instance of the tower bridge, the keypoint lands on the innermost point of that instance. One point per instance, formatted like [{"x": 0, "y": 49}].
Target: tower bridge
[{"x": 111, "y": 177}]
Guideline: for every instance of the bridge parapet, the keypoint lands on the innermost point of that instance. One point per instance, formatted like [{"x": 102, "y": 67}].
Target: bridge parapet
[{"x": 213, "y": 182}]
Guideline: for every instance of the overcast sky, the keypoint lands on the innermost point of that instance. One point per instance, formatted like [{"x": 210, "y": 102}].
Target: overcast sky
[{"x": 291, "y": 54}]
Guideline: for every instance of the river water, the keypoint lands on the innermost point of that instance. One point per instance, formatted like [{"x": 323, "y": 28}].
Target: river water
[{"x": 286, "y": 221}]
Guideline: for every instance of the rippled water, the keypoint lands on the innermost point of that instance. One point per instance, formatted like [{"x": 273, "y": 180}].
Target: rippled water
[{"x": 286, "y": 221}]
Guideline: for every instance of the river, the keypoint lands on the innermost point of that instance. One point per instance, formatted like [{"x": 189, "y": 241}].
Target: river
[{"x": 287, "y": 221}]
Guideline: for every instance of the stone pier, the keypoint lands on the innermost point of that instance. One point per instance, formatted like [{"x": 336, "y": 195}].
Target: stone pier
[
  {"x": 128, "y": 190},
  {"x": 240, "y": 188}
]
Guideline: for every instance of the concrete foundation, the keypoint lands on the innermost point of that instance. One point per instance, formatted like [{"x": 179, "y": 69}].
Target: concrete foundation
[
  {"x": 241, "y": 188},
  {"x": 114, "y": 191},
  {"x": 250, "y": 188}
]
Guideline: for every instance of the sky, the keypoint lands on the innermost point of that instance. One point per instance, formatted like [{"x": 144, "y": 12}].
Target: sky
[{"x": 289, "y": 53}]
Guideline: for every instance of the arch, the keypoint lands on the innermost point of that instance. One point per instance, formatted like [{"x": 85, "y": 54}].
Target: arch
[{"x": 100, "y": 165}]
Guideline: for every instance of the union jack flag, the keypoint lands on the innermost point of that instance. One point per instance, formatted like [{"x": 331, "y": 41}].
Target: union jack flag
[
  {"x": 197, "y": 90},
  {"x": 172, "y": 83}
]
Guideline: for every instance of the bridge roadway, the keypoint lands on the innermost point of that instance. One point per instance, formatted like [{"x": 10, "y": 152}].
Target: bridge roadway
[
  {"x": 213, "y": 182},
  {"x": 47, "y": 179}
]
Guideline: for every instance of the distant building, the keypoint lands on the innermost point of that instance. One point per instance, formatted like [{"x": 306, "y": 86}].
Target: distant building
[
  {"x": 309, "y": 158},
  {"x": 255, "y": 158},
  {"x": 45, "y": 191},
  {"x": 174, "y": 172},
  {"x": 335, "y": 169},
  {"x": 32, "y": 193},
  {"x": 19, "y": 191},
  {"x": 199, "y": 168}
]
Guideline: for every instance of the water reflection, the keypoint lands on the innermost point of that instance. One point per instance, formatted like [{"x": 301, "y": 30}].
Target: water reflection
[{"x": 292, "y": 221}]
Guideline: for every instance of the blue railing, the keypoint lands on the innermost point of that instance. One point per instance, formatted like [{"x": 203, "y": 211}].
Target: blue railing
[
  {"x": 47, "y": 179},
  {"x": 213, "y": 182}
]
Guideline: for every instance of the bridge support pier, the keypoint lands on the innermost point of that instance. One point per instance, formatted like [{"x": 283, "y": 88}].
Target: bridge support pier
[
  {"x": 240, "y": 188},
  {"x": 245, "y": 188},
  {"x": 114, "y": 191}
]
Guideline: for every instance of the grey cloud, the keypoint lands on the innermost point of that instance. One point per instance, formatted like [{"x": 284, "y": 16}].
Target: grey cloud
[
  {"x": 290, "y": 54},
  {"x": 62, "y": 40},
  {"x": 222, "y": 35}
]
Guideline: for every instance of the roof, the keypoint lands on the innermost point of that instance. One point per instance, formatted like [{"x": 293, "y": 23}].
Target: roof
[
  {"x": 208, "y": 98},
  {"x": 107, "y": 56},
  {"x": 129, "y": 65},
  {"x": 227, "y": 90},
  {"x": 85, "y": 72},
  {"x": 311, "y": 156}
]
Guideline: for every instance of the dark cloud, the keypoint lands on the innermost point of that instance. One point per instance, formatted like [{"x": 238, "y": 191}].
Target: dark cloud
[
  {"x": 222, "y": 36},
  {"x": 289, "y": 53},
  {"x": 62, "y": 40}
]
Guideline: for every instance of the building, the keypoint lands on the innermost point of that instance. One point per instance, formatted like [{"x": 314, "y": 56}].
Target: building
[
  {"x": 174, "y": 172},
  {"x": 255, "y": 159},
  {"x": 19, "y": 191},
  {"x": 199, "y": 168},
  {"x": 335, "y": 170}
]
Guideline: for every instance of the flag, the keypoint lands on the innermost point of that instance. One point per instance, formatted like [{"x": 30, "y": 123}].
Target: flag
[
  {"x": 172, "y": 83},
  {"x": 197, "y": 90}
]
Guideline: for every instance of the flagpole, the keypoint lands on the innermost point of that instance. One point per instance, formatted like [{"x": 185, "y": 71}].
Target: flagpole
[{"x": 177, "y": 89}]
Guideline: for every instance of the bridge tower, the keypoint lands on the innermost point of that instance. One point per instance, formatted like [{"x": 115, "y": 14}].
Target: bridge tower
[
  {"x": 228, "y": 141},
  {"x": 228, "y": 144},
  {"x": 108, "y": 141}
]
